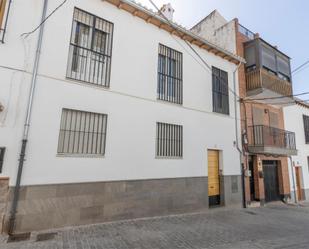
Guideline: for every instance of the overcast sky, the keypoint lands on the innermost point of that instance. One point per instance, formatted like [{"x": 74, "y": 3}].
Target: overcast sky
[{"x": 284, "y": 23}]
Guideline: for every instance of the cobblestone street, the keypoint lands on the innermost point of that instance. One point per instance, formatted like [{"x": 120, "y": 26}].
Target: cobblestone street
[{"x": 274, "y": 226}]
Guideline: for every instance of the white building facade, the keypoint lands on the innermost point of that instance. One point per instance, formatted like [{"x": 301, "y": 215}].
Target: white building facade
[
  {"x": 125, "y": 120},
  {"x": 296, "y": 118}
]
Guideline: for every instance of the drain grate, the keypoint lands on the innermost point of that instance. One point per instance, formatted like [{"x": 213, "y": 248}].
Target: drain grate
[
  {"x": 19, "y": 237},
  {"x": 45, "y": 236}
]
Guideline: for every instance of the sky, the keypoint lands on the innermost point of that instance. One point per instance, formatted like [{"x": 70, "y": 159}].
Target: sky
[{"x": 284, "y": 23}]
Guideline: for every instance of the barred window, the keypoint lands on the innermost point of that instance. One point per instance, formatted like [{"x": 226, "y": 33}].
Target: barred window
[
  {"x": 220, "y": 91},
  {"x": 169, "y": 140},
  {"x": 82, "y": 133},
  {"x": 90, "y": 49},
  {"x": 306, "y": 126},
  {"x": 169, "y": 75}
]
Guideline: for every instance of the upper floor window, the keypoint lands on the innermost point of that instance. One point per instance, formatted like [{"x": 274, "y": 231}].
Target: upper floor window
[
  {"x": 306, "y": 126},
  {"x": 220, "y": 91},
  {"x": 90, "y": 49},
  {"x": 169, "y": 75},
  {"x": 169, "y": 140},
  {"x": 82, "y": 133},
  {"x": 4, "y": 13}
]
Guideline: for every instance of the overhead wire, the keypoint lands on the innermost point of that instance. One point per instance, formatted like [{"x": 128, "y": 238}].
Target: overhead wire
[
  {"x": 208, "y": 67},
  {"x": 26, "y": 34}
]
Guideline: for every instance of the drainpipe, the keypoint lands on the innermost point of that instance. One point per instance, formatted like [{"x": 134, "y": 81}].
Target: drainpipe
[
  {"x": 294, "y": 187},
  {"x": 22, "y": 154},
  {"x": 237, "y": 142}
]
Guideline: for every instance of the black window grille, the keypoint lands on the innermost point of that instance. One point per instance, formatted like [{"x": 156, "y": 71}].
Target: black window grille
[
  {"x": 2, "y": 152},
  {"x": 169, "y": 75},
  {"x": 4, "y": 15},
  {"x": 90, "y": 49},
  {"x": 82, "y": 133},
  {"x": 169, "y": 140},
  {"x": 306, "y": 126},
  {"x": 220, "y": 91}
]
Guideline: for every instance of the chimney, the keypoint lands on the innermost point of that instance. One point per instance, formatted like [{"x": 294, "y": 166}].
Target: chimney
[{"x": 168, "y": 11}]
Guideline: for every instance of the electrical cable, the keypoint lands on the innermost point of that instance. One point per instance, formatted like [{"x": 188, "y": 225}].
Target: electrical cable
[
  {"x": 189, "y": 45},
  {"x": 300, "y": 67},
  {"x": 53, "y": 12}
]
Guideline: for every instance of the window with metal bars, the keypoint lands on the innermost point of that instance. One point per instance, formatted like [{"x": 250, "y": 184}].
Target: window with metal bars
[
  {"x": 82, "y": 133},
  {"x": 306, "y": 127},
  {"x": 4, "y": 14},
  {"x": 169, "y": 75},
  {"x": 220, "y": 91},
  {"x": 90, "y": 49},
  {"x": 169, "y": 140}
]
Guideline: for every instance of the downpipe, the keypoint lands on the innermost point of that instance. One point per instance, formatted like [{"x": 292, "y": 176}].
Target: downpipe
[
  {"x": 12, "y": 218},
  {"x": 237, "y": 139}
]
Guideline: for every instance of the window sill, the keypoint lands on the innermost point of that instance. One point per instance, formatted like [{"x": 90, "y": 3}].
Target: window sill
[
  {"x": 79, "y": 156},
  {"x": 169, "y": 158}
]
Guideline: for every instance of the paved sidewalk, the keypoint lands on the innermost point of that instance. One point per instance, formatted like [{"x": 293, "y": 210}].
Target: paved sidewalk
[{"x": 275, "y": 226}]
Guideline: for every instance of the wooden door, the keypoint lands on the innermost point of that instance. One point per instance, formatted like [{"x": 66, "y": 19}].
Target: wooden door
[
  {"x": 298, "y": 183},
  {"x": 271, "y": 183},
  {"x": 213, "y": 178}
]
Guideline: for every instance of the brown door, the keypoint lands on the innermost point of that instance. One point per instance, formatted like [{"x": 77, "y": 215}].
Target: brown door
[
  {"x": 213, "y": 178},
  {"x": 298, "y": 183}
]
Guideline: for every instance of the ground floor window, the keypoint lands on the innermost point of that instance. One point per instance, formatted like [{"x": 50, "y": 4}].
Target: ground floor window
[{"x": 82, "y": 133}]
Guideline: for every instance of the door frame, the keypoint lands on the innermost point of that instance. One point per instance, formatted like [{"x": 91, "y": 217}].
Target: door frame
[
  {"x": 216, "y": 202},
  {"x": 298, "y": 176}
]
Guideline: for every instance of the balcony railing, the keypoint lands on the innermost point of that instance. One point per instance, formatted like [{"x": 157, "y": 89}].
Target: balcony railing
[
  {"x": 269, "y": 140},
  {"x": 246, "y": 32},
  {"x": 260, "y": 78}
]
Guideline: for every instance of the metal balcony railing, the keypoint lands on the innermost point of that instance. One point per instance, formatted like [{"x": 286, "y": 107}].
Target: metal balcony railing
[
  {"x": 246, "y": 32},
  {"x": 269, "y": 137}
]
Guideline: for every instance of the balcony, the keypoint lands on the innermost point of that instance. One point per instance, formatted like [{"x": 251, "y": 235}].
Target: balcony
[
  {"x": 271, "y": 141},
  {"x": 260, "y": 80},
  {"x": 268, "y": 70}
]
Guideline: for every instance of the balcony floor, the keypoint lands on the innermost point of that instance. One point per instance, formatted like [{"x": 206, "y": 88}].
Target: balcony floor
[{"x": 268, "y": 150}]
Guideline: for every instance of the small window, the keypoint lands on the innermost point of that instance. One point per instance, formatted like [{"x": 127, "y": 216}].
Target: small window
[
  {"x": 169, "y": 140},
  {"x": 306, "y": 127},
  {"x": 82, "y": 133},
  {"x": 90, "y": 49},
  {"x": 169, "y": 75},
  {"x": 2, "y": 152},
  {"x": 220, "y": 91}
]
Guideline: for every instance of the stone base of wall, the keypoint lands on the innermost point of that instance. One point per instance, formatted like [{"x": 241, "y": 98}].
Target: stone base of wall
[
  {"x": 53, "y": 206},
  {"x": 231, "y": 191},
  {"x": 305, "y": 193},
  {"x": 4, "y": 190}
]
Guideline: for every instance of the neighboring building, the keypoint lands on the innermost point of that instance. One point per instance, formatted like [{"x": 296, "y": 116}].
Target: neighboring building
[
  {"x": 125, "y": 122},
  {"x": 296, "y": 118},
  {"x": 266, "y": 74}
]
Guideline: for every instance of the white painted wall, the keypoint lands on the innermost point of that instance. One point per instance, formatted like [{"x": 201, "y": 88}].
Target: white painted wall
[
  {"x": 218, "y": 31},
  {"x": 130, "y": 102},
  {"x": 293, "y": 118}
]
